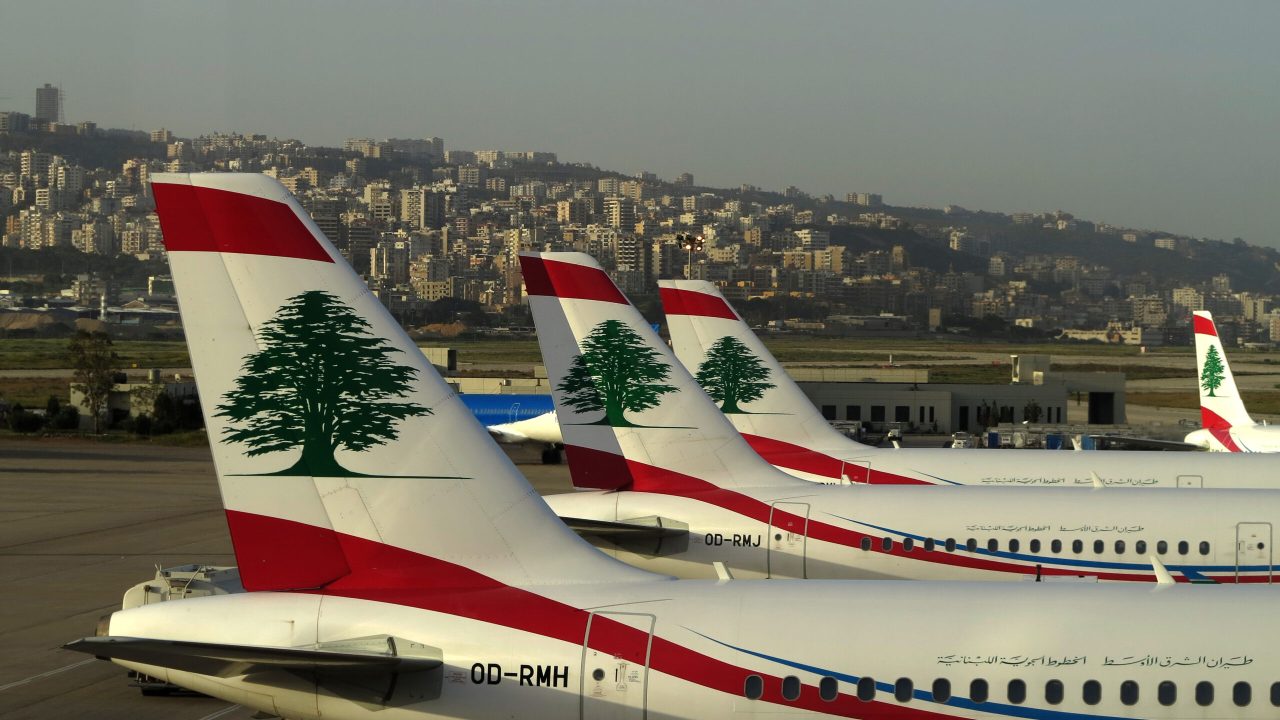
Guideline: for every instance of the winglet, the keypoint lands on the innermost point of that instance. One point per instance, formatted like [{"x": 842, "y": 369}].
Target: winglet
[
  {"x": 1163, "y": 576},
  {"x": 1097, "y": 481}
]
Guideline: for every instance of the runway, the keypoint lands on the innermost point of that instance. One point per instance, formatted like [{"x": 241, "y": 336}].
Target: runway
[{"x": 81, "y": 522}]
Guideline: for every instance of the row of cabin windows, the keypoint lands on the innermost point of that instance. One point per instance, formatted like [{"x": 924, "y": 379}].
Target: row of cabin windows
[
  {"x": 1055, "y": 546},
  {"x": 1016, "y": 691}
]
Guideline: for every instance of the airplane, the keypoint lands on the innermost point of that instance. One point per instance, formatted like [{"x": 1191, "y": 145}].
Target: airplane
[
  {"x": 784, "y": 427},
  {"x": 518, "y": 418},
  {"x": 677, "y": 488},
  {"x": 1226, "y": 425},
  {"x": 398, "y": 566}
]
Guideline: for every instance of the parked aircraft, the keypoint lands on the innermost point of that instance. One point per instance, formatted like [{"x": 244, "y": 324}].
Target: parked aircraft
[
  {"x": 784, "y": 427},
  {"x": 677, "y": 487},
  {"x": 518, "y": 418},
  {"x": 400, "y": 567},
  {"x": 1226, "y": 425}
]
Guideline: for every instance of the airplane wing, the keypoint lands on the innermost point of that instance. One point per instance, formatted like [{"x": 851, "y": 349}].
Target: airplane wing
[{"x": 1127, "y": 442}]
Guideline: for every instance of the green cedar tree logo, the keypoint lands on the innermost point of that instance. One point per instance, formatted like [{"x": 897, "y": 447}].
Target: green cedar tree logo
[
  {"x": 616, "y": 372},
  {"x": 1213, "y": 374},
  {"x": 319, "y": 382},
  {"x": 731, "y": 374}
]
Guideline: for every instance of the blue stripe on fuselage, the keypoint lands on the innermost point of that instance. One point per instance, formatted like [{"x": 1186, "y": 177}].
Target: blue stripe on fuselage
[{"x": 501, "y": 409}]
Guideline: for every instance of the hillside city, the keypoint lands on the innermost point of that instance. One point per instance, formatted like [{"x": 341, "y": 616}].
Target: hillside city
[{"x": 435, "y": 231}]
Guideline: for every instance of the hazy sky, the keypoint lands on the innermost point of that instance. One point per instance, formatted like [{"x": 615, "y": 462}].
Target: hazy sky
[{"x": 1149, "y": 114}]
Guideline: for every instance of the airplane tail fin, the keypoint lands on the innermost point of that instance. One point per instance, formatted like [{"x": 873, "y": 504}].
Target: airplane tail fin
[
  {"x": 776, "y": 418},
  {"x": 1220, "y": 403},
  {"x": 631, "y": 416},
  {"x": 343, "y": 459}
]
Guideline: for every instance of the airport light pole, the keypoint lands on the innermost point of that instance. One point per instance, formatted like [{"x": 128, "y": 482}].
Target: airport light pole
[{"x": 689, "y": 242}]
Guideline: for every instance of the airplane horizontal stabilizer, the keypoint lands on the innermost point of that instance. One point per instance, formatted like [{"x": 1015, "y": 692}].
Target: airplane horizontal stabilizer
[{"x": 231, "y": 660}]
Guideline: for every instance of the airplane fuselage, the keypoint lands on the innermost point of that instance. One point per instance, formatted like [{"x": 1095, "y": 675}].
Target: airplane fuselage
[
  {"x": 940, "y": 533},
  {"x": 672, "y": 650}
]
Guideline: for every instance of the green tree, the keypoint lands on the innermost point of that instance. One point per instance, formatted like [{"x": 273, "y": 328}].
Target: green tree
[
  {"x": 615, "y": 373},
  {"x": 731, "y": 374},
  {"x": 1213, "y": 374},
  {"x": 320, "y": 382},
  {"x": 95, "y": 365}
]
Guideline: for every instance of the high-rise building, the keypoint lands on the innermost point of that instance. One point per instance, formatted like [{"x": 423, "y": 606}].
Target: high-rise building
[
  {"x": 49, "y": 103},
  {"x": 621, "y": 213}
]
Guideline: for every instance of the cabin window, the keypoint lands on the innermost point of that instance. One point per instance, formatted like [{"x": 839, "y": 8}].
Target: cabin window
[
  {"x": 828, "y": 689},
  {"x": 978, "y": 690},
  {"x": 1241, "y": 694},
  {"x": 754, "y": 687},
  {"x": 1099, "y": 546},
  {"x": 1055, "y": 547},
  {"x": 951, "y": 544},
  {"x": 790, "y": 687},
  {"x": 929, "y": 544},
  {"x": 1014, "y": 545},
  {"x": 1092, "y": 692},
  {"x": 866, "y": 543},
  {"x": 866, "y": 689},
  {"x": 887, "y": 544},
  {"x": 941, "y": 690},
  {"x": 1129, "y": 692},
  {"x": 1119, "y": 547},
  {"x": 1275, "y": 694},
  {"x": 1204, "y": 693},
  {"x": 1053, "y": 692},
  {"x": 1035, "y": 545},
  {"x": 970, "y": 544},
  {"x": 993, "y": 545},
  {"x": 1140, "y": 547},
  {"x": 1183, "y": 547},
  {"x": 908, "y": 544},
  {"x": 903, "y": 690},
  {"x": 1077, "y": 546},
  {"x": 1162, "y": 547},
  {"x": 1167, "y": 692},
  {"x": 1017, "y": 692},
  {"x": 1204, "y": 547}
]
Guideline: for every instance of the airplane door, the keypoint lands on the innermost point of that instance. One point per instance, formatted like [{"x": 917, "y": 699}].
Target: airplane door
[
  {"x": 1190, "y": 481},
  {"x": 1253, "y": 547},
  {"x": 788, "y": 538},
  {"x": 855, "y": 471},
  {"x": 615, "y": 666}
]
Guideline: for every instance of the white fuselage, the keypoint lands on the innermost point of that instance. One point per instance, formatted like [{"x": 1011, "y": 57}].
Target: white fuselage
[
  {"x": 843, "y": 460},
  {"x": 702, "y": 650},
  {"x": 543, "y": 429},
  {"x": 943, "y": 533},
  {"x": 1237, "y": 439}
]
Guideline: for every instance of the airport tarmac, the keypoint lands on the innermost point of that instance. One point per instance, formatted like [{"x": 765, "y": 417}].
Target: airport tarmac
[{"x": 80, "y": 523}]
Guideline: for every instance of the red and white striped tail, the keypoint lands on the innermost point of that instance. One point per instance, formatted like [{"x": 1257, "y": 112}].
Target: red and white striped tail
[
  {"x": 630, "y": 414},
  {"x": 341, "y": 454},
  {"x": 1220, "y": 404},
  {"x": 781, "y": 424}
]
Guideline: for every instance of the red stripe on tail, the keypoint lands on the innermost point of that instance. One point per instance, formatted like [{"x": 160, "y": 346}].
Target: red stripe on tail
[
  {"x": 208, "y": 220},
  {"x": 1203, "y": 326},
  {"x": 567, "y": 280},
  {"x": 277, "y": 554},
  {"x": 687, "y": 302}
]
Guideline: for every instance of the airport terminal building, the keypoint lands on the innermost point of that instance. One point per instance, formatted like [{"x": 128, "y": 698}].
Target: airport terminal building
[{"x": 880, "y": 398}]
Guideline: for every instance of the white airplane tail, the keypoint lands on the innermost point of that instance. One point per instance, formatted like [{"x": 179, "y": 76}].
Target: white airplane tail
[
  {"x": 1220, "y": 403},
  {"x": 631, "y": 416},
  {"x": 775, "y": 417},
  {"x": 344, "y": 461}
]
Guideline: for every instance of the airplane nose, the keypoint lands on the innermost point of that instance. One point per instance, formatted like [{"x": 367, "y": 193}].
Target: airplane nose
[{"x": 104, "y": 626}]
